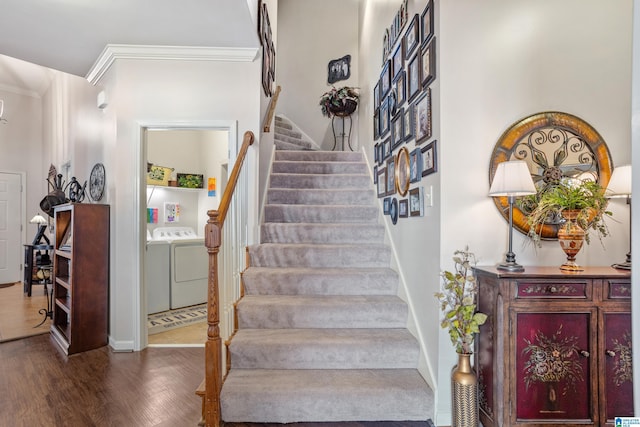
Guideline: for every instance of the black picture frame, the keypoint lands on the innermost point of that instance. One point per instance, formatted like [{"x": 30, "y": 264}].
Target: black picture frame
[
  {"x": 380, "y": 153},
  {"x": 422, "y": 117},
  {"x": 415, "y": 165},
  {"x": 400, "y": 88},
  {"x": 339, "y": 69},
  {"x": 403, "y": 208},
  {"x": 375, "y": 175},
  {"x": 384, "y": 118},
  {"x": 375, "y": 152},
  {"x": 385, "y": 79},
  {"x": 376, "y": 124},
  {"x": 268, "y": 49},
  {"x": 412, "y": 36},
  {"x": 413, "y": 77},
  {"x": 397, "y": 59},
  {"x": 429, "y": 158},
  {"x": 416, "y": 201},
  {"x": 391, "y": 176},
  {"x": 386, "y": 205},
  {"x": 386, "y": 148},
  {"x": 397, "y": 130},
  {"x": 376, "y": 95},
  {"x": 428, "y": 62},
  {"x": 381, "y": 187},
  {"x": 426, "y": 22},
  {"x": 408, "y": 122}
]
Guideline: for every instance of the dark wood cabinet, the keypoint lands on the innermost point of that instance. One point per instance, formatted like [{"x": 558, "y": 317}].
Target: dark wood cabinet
[
  {"x": 81, "y": 276},
  {"x": 556, "y": 348}
]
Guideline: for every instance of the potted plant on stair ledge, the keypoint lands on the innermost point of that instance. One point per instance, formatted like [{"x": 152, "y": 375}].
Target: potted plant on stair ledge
[
  {"x": 458, "y": 305},
  {"x": 340, "y": 102}
]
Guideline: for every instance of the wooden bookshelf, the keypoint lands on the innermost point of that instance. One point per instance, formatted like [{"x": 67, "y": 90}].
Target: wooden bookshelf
[{"x": 81, "y": 276}]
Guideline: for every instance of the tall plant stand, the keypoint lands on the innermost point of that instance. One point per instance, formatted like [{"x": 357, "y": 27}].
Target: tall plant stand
[{"x": 342, "y": 134}]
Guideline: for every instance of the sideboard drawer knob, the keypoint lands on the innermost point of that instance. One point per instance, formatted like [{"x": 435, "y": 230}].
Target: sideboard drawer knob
[
  {"x": 610, "y": 353},
  {"x": 553, "y": 289},
  {"x": 584, "y": 353}
]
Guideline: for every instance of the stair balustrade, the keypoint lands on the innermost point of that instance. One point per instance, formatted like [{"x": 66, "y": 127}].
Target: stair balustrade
[
  {"x": 213, "y": 345},
  {"x": 266, "y": 125}
]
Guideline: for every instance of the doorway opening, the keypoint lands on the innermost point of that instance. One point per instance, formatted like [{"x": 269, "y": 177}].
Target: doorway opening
[{"x": 186, "y": 174}]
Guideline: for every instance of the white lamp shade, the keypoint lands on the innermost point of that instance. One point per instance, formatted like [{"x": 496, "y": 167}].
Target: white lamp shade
[
  {"x": 620, "y": 183},
  {"x": 512, "y": 179},
  {"x": 38, "y": 219}
]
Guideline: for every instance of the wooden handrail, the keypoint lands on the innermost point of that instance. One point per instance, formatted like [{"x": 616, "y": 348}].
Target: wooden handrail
[
  {"x": 213, "y": 240},
  {"x": 266, "y": 125}
]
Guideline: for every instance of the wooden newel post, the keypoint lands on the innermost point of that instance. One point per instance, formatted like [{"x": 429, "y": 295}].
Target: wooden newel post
[{"x": 213, "y": 346}]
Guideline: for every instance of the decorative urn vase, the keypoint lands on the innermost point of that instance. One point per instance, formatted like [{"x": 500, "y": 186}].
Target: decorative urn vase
[
  {"x": 571, "y": 238},
  {"x": 464, "y": 393}
]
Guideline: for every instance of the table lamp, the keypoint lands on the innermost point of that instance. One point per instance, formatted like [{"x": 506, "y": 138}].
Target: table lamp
[
  {"x": 512, "y": 179},
  {"x": 620, "y": 186},
  {"x": 42, "y": 226}
]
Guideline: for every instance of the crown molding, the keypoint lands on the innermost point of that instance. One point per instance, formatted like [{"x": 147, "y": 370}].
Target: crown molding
[{"x": 112, "y": 52}]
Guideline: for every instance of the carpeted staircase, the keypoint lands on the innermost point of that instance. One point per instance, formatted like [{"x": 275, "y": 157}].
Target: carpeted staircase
[
  {"x": 288, "y": 136},
  {"x": 321, "y": 331}
]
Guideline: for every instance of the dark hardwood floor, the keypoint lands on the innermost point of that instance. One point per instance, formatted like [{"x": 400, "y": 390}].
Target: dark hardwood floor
[{"x": 41, "y": 386}]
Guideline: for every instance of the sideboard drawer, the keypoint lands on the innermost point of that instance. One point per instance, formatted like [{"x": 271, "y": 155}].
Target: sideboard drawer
[
  {"x": 616, "y": 289},
  {"x": 552, "y": 290}
]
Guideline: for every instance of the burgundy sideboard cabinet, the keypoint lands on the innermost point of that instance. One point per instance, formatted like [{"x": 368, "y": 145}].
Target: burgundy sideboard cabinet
[{"x": 556, "y": 347}]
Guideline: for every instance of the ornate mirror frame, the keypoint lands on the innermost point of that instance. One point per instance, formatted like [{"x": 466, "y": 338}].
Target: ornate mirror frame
[{"x": 554, "y": 145}]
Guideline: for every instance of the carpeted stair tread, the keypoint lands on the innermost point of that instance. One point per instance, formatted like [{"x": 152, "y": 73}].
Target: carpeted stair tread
[
  {"x": 303, "y": 181},
  {"x": 335, "y": 233},
  {"x": 319, "y": 156},
  {"x": 281, "y": 145},
  {"x": 322, "y": 333},
  {"x": 326, "y": 311},
  {"x": 320, "y": 281},
  {"x": 297, "y": 167},
  {"x": 320, "y": 196},
  {"x": 324, "y": 349},
  {"x": 297, "y": 142},
  {"x": 316, "y": 255},
  {"x": 320, "y": 213},
  {"x": 282, "y": 396}
]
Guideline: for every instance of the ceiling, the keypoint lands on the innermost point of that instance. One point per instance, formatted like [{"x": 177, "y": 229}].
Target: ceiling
[{"x": 38, "y": 36}]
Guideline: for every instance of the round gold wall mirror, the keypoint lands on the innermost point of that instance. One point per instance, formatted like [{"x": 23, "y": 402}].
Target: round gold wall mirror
[{"x": 555, "y": 145}]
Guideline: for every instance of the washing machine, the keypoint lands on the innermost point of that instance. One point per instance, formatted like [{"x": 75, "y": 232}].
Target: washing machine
[
  {"x": 188, "y": 265},
  {"x": 158, "y": 275}
]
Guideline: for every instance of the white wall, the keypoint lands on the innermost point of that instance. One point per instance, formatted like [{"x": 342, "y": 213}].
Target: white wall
[
  {"x": 635, "y": 136},
  {"x": 312, "y": 33},
  {"x": 415, "y": 240},
  {"x": 21, "y": 151},
  {"x": 499, "y": 62},
  {"x": 143, "y": 93},
  {"x": 527, "y": 57}
]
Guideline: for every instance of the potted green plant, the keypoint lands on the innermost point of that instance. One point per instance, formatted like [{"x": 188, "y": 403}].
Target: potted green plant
[
  {"x": 579, "y": 206},
  {"x": 458, "y": 304},
  {"x": 339, "y": 102},
  {"x": 586, "y": 197}
]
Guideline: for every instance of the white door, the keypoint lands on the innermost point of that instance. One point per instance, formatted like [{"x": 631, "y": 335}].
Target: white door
[{"x": 10, "y": 222}]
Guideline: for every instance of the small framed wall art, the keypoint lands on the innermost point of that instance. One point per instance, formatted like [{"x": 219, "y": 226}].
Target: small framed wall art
[
  {"x": 422, "y": 117},
  {"x": 426, "y": 22},
  {"x": 416, "y": 202},
  {"x": 429, "y": 159},
  {"x": 412, "y": 37},
  {"x": 397, "y": 130},
  {"x": 413, "y": 75},
  {"x": 428, "y": 62},
  {"x": 400, "y": 87}
]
